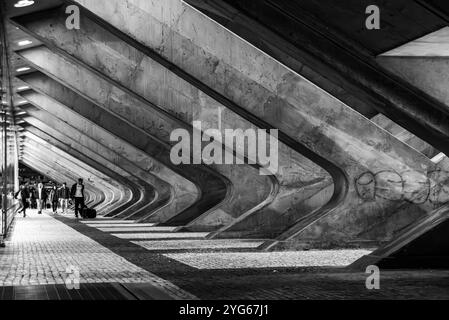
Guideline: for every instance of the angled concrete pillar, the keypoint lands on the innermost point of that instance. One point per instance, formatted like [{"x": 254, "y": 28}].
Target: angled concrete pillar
[
  {"x": 129, "y": 193},
  {"x": 213, "y": 188},
  {"x": 424, "y": 63},
  {"x": 314, "y": 48},
  {"x": 150, "y": 202},
  {"x": 242, "y": 178},
  {"x": 172, "y": 198},
  {"x": 405, "y": 135},
  {"x": 92, "y": 200},
  {"x": 366, "y": 154},
  {"x": 114, "y": 195},
  {"x": 302, "y": 185},
  {"x": 72, "y": 166},
  {"x": 123, "y": 200},
  {"x": 95, "y": 196}
]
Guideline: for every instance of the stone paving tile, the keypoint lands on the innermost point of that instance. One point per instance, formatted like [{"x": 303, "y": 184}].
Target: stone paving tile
[
  {"x": 41, "y": 249},
  {"x": 161, "y": 235},
  {"x": 199, "y": 244},
  {"x": 238, "y": 260}
]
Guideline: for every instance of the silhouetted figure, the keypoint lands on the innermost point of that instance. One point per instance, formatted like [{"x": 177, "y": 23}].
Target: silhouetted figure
[
  {"x": 22, "y": 195},
  {"x": 77, "y": 194}
]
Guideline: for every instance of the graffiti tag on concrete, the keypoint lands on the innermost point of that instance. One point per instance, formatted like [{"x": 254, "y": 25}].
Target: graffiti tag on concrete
[{"x": 412, "y": 186}]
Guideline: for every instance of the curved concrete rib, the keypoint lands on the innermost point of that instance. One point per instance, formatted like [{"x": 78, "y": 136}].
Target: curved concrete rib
[
  {"x": 130, "y": 201},
  {"x": 112, "y": 192},
  {"x": 93, "y": 197},
  {"x": 75, "y": 127},
  {"x": 128, "y": 192},
  {"x": 302, "y": 111},
  {"x": 154, "y": 122},
  {"x": 213, "y": 187},
  {"x": 65, "y": 164},
  {"x": 299, "y": 179},
  {"x": 115, "y": 194},
  {"x": 301, "y": 183},
  {"x": 175, "y": 195},
  {"x": 47, "y": 169}
]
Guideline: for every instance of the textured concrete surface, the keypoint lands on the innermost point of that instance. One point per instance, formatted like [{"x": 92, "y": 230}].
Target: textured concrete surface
[
  {"x": 270, "y": 282},
  {"x": 244, "y": 178},
  {"x": 199, "y": 244},
  {"x": 112, "y": 190},
  {"x": 174, "y": 193},
  {"x": 141, "y": 195},
  {"x": 60, "y": 165},
  {"x": 212, "y": 188},
  {"x": 429, "y": 74},
  {"x": 289, "y": 102},
  {"x": 93, "y": 199},
  {"x": 156, "y": 194},
  {"x": 35, "y": 254},
  {"x": 299, "y": 180},
  {"x": 118, "y": 194},
  {"x": 161, "y": 235},
  {"x": 67, "y": 170},
  {"x": 96, "y": 197},
  {"x": 129, "y": 192},
  {"x": 405, "y": 136},
  {"x": 435, "y": 44}
]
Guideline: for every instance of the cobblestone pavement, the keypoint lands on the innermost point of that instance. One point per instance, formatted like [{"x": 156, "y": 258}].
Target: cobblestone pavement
[
  {"x": 132, "y": 228},
  {"x": 238, "y": 260},
  {"x": 118, "y": 225},
  {"x": 41, "y": 249},
  {"x": 198, "y": 244},
  {"x": 161, "y": 235},
  {"x": 187, "y": 262},
  {"x": 247, "y": 274}
]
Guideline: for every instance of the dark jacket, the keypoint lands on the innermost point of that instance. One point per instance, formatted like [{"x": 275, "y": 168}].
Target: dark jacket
[
  {"x": 64, "y": 193},
  {"x": 73, "y": 190},
  {"x": 53, "y": 197},
  {"x": 44, "y": 194},
  {"x": 23, "y": 194}
]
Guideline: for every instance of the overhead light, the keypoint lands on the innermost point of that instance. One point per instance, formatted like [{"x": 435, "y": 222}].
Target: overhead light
[
  {"x": 24, "y": 3},
  {"x": 23, "y": 88},
  {"x": 23, "y": 69},
  {"x": 24, "y": 42},
  {"x": 21, "y": 102}
]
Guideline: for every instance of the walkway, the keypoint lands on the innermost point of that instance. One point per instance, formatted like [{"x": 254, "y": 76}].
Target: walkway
[{"x": 126, "y": 260}]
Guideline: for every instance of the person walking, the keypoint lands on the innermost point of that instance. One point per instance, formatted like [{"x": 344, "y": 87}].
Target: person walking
[
  {"x": 54, "y": 199},
  {"x": 64, "y": 195},
  {"x": 77, "y": 194},
  {"x": 22, "y": 195},
  {"x": 41, "y": 197},
  {"x": 32, "y": 198}
]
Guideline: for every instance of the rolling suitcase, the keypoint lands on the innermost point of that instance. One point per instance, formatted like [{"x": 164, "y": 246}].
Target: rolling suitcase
[{"x": 87, "y": 213}]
